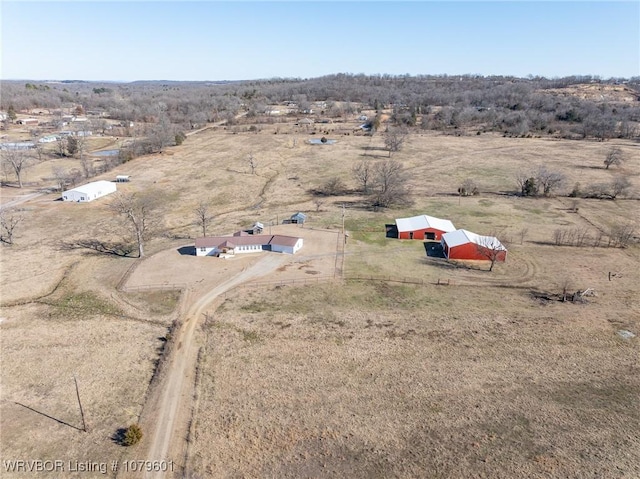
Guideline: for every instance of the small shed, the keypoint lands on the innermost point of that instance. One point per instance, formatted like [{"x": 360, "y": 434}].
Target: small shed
[
  {"x": 257, "y": 228},
  {"x": 89, "y": 192},
  {"x": 463, "y": 244},
  {"x": 298, "y": 218},
  {"x": 123, "y": 178}
]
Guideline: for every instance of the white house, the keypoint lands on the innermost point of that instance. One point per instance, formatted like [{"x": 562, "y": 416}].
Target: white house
[
  {"x": 240, "y": 244},
  {"x": 89, "y": 192}
]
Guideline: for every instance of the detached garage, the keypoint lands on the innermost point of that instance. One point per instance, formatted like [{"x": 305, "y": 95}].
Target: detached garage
[
  {"x": 423, "y": 227},
  {"x": 89, "y": 192},
  {"x": 463, "y": 244},
  {"x": 285, "y": 244}
]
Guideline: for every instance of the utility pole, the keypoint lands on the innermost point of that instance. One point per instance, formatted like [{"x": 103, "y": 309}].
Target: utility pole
[{"x": 84, "y": 424}]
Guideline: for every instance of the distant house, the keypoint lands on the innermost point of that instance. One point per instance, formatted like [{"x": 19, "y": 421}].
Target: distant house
[
  {"x": 48, "y": 139},
  {"x": 20, "y": 145},
  {"x": 28, "y": 121},
  {"x": 241, "y": 243},
  {"x": 463, "y": 244},
  {"x": 89, "y": 192},
  {"x": 257, "y": 228},
  {"x": 423, "y": 227},
  {"x": 123, "y": 178}
]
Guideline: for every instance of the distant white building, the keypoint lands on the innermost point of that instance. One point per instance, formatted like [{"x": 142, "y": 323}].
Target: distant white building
[{"x": 89, "y": 192}]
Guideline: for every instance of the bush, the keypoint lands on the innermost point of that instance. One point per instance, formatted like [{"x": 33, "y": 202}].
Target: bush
[
  {"x": 180, "y": 137},
  {"x": 132, "y": 435}
]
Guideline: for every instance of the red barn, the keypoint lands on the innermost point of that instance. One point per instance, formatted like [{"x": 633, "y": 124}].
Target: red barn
[
  {"x": 423, "y": 227},
  {"x": 463, "y": 244}
]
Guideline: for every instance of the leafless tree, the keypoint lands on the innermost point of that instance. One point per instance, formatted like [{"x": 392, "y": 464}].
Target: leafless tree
[
  {"x": 203, "y": 216},
  {"x": 18, "y": 161},
  {"x": 61, "y": 146},
  {"x": 9, "y": 219},
  {"x": 468, "y": 188},
  {"x": 334, "y": 186},
  {"x": 362, "y": 172},
  {"x": 390, "y": 182},
  {"x": 139, "y": 212},
  {"x": 621, "y": 235},
  {"x": 548, "y": 181},
  {"x": 491, "y": 248},
  {"x": 394, "y": 138},
  {"x": 318, "y": 202},
  {"x": 619, "y": 186},
  {"x": 522, "y": 233},
  {"x": 614, "y": 157},
  {"x": 61, "y": 176},
  {"x": 252, "y": 164}
]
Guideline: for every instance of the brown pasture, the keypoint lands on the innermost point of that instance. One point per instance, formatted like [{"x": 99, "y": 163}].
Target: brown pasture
[{"x": 486, "y": 377}]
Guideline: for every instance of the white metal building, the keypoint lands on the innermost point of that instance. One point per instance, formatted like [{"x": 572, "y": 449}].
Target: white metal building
[{"x": 89, "y": 192}]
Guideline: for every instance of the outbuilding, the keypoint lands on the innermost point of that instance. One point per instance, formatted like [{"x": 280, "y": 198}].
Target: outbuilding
[
  {"x": 463, "y": 244},
  {"x": 423, "y": 227},
  {"x": 89, "y": 192}
]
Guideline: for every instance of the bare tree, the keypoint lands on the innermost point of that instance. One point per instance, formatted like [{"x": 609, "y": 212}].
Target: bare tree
[
  {"x": 252, "y": 164},
  {"x": 394, "y": 138},
  {"x": 614, "y": 158},
  {"x": 203, "y": 216},
  {"x": 390, "y": 181},
  {"x": 61, "y": 146},
  {"x": 548, "y": 181},
  {"x": 318, "y": 202},
  {"x": 61, "y": 176},
  {"x": 492, "y": 249},
  {"x": 621, "y": 235},
  {"x": 362, "y": 172},
  {"x": 139, "y": 212},
  {"x": 9, "y": 219},
  {"x": 619, "y": 186},
  {"x": 18, "y": 161},
  {"x": 468, "y": 188}
]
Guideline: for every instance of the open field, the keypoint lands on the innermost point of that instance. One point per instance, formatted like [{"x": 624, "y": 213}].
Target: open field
[{"x": 351, "y": 378}]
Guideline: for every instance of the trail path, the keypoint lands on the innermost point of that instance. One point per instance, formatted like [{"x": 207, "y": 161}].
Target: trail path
[{"x": 175, "y": 393}]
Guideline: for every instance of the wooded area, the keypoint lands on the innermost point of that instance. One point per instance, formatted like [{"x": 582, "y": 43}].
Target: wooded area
[{"x": 570, "y": 107}]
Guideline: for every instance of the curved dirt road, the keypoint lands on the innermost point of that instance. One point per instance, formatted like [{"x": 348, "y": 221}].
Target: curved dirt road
[{"x": 175, "y": 393}]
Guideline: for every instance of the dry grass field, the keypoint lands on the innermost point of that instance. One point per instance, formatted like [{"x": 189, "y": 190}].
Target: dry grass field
[{"x": 481, "y": 378}]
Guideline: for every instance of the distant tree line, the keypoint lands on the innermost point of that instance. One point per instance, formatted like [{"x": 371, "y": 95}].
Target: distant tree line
[{"x": 510, "y": 105}]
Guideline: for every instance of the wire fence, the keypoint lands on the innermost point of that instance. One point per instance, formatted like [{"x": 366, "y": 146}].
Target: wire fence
[{"x": 149, "y": 287}]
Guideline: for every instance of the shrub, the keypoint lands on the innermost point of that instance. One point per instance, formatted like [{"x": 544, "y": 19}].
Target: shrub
[
  {"x": 132, "y": 435},
  {"x": 180, "y": 137}
]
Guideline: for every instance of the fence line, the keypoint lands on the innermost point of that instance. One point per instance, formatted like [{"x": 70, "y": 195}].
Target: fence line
[{"x": 147, "y": 287}]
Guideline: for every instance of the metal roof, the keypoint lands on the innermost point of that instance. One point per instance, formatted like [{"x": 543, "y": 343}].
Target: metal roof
[
  {"x": 422, "y": 222},
  {"x": 459, "y": 237}
]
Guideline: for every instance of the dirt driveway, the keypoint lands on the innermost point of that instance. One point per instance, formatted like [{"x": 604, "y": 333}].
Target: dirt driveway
[{"x": 205, "y": 279}]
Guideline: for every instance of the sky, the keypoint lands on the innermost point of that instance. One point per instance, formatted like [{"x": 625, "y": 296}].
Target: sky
[{"x": 244, "y": 40}]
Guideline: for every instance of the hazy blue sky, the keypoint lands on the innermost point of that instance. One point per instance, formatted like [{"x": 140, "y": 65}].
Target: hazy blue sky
[{"x": 215, "y": 40}]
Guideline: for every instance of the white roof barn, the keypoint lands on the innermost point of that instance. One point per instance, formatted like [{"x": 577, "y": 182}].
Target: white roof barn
[
  {"x": 89, "y": 192},
  {"x": 463, "y": 244},
  {"x": 423, "y": 227}
]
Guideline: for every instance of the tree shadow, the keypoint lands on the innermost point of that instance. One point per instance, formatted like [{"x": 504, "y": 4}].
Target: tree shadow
[
  {"x": 187, "y": 250},
  {"x": 60, "y": 421},
  {"x": 118, "y": 436},
  {"x": 99, "y": 247}
]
